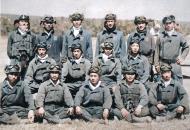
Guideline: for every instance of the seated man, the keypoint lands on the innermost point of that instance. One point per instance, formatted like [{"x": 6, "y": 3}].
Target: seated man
[
  {"x": 131, "y": 98},
  {"x": 139, "y": 62},
  {"x": 75, "y": 70},
  {"x": 93, "y": 101},
  {"x": 54, "y": 101},
  {"x": 15, "y": 98},
  {"x": 37, "y": 72},
  {"x": 110, "y": 65},
  {"x": 168, "y": 99}
]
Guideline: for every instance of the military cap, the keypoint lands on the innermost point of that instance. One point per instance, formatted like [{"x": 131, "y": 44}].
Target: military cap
[
  {"x": 42, "y": 45},
  {"x": 76, "y": 16},
  {"x": 128, "y": 70},
  {"x": 140, "y": 19},
  {"x": 95, "y": 69},
  {"x": 12, "y": 69},
  {"x": 107, "y": 44},
  {"x": 134, "y": 40},
  {"x": 24, "y": 17},
  {"x": 76, "y": 46},
  {"x": 168, "y": 19},
  {"x": 54, "y": 68},
  {"x": 48, "y": 19},
  {"x": 165, "y": 67},
  {"x": 110, "y": 17}
]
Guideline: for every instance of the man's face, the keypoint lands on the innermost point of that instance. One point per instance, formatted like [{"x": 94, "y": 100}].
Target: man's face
[
  {"x": 54, "y": 76},
  {"x": 77, "y": 23},
  {"x": 135, "y": 48},
  {"x": 166, "y": 75},
  {"x": 130, "y": 77},
  {"x": 107, "y": 51},
  {"x": 48, "y": 26},
  {"x": 77, "y": 53},
  {"x": 169, "y": 26},
  {"x": 12, "y": 77},
  {"x": 23, "y": 25},
  {"x": 42, "y": 52},
  {"x": 94, "y": 78},
  {"x": 141, "y": 26},
  {"x": 110, "y": 23}
]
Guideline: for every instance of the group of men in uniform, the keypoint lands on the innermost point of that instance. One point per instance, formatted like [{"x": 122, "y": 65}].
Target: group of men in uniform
[{"x": 54, "y": 78}]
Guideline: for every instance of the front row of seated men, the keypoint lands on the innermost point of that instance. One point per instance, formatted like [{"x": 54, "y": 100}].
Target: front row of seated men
[{"x": 166, "y": 100}]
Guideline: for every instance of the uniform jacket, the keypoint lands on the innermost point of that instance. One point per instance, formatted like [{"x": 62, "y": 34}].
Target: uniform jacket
[
  {"x": 118, "y": 40},
  {"x": 84, "y": 38}
]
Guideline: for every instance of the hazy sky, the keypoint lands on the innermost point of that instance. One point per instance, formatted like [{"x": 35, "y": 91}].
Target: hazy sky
[{"x": 125, "y": 9}]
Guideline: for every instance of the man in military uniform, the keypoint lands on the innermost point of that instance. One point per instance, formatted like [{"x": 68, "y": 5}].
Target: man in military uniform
[
  {"x": 54, "y": 101},
  {"x": 15, "y": 98},
  {"x": 137, "y": 60},
  {"x": 93, "y": 100},
  {"x": 171, "y": 49},
  {"x": 110, "y": 31},
  {"x": 20, "y": 47},
  {"x": 109, "y": 64},
  {"x": 53, "y": 41},
  {"x": 131, "y": 98},
  {"x": 77, "y": 34},
  {"x": 168, "y": 99},
  {"x": 147, "y": 41},
  {"x": 37, "y": 72},
  {"x": 75, "y": 70}
]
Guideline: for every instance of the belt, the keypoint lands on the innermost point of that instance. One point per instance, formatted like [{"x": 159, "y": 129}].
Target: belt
[{"x": 169, "y": 61}]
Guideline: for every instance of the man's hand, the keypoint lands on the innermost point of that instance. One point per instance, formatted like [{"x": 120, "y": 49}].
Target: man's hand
[
  {"x": 124, "y": 112},
  {"x": 41, "y": 111},
  {"x": 178, "y": 61},
  {"x": 31, "y": 116},
  {"x": 161, "y": 106},
  {"x": 78, "y": 110},
  {"x": 105, "y": 113},
  {"x": 157, "y": 68},
  {"x": 179, "y": 109},
  {"x": 70, "y": 111},
  {"x": 138, "y": 110}
]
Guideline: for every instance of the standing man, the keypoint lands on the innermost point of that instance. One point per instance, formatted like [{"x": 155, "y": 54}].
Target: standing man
[
  {"x": 77, "y": 34},
  {"x": 131, "y": 98},
  {"x": 75, "y": 70},
  {"x": 37, "y": 72},
  {"x": 54, "y": 101},
  {"x": 171, "y": 49},
  {"x": 21, "y": 41},
  {"x": 54, "y": 42},
  {"x": 168, "y": 99},
  {"x": 93, "y": 100},
  {"x": 110, "y": 32},
  {"x": 15, "y": 98}
]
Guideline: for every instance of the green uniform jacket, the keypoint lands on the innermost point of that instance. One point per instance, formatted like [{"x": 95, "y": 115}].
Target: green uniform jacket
[
  {"x": 37, "y": 73},
  {"x": 136, "y": 93},
  {"x": 17, "y": 97},
  {"x": 100, "y": 97},
  {"x": 48, "y": 94},
  {"x": 118, "y": 40},
  {"x": 84, "y": 38},
  {"x": 172, "y": 96},
  {"x": 111, "y": 69}
]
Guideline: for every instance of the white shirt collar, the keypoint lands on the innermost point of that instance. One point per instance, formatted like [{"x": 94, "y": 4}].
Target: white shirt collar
[
  {"x": 42, "y": 60},
  {"x": 54, "y": 83},
  {"x": 166, "y": 83},
  {"x": 92, "y": 87}
]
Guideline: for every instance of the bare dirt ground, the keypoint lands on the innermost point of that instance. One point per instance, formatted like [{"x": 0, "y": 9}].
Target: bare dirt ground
[{"x": 113, "y": 125}]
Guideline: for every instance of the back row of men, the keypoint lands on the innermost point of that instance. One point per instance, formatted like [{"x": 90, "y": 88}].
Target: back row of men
[{"x": 145, "y": 56}]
